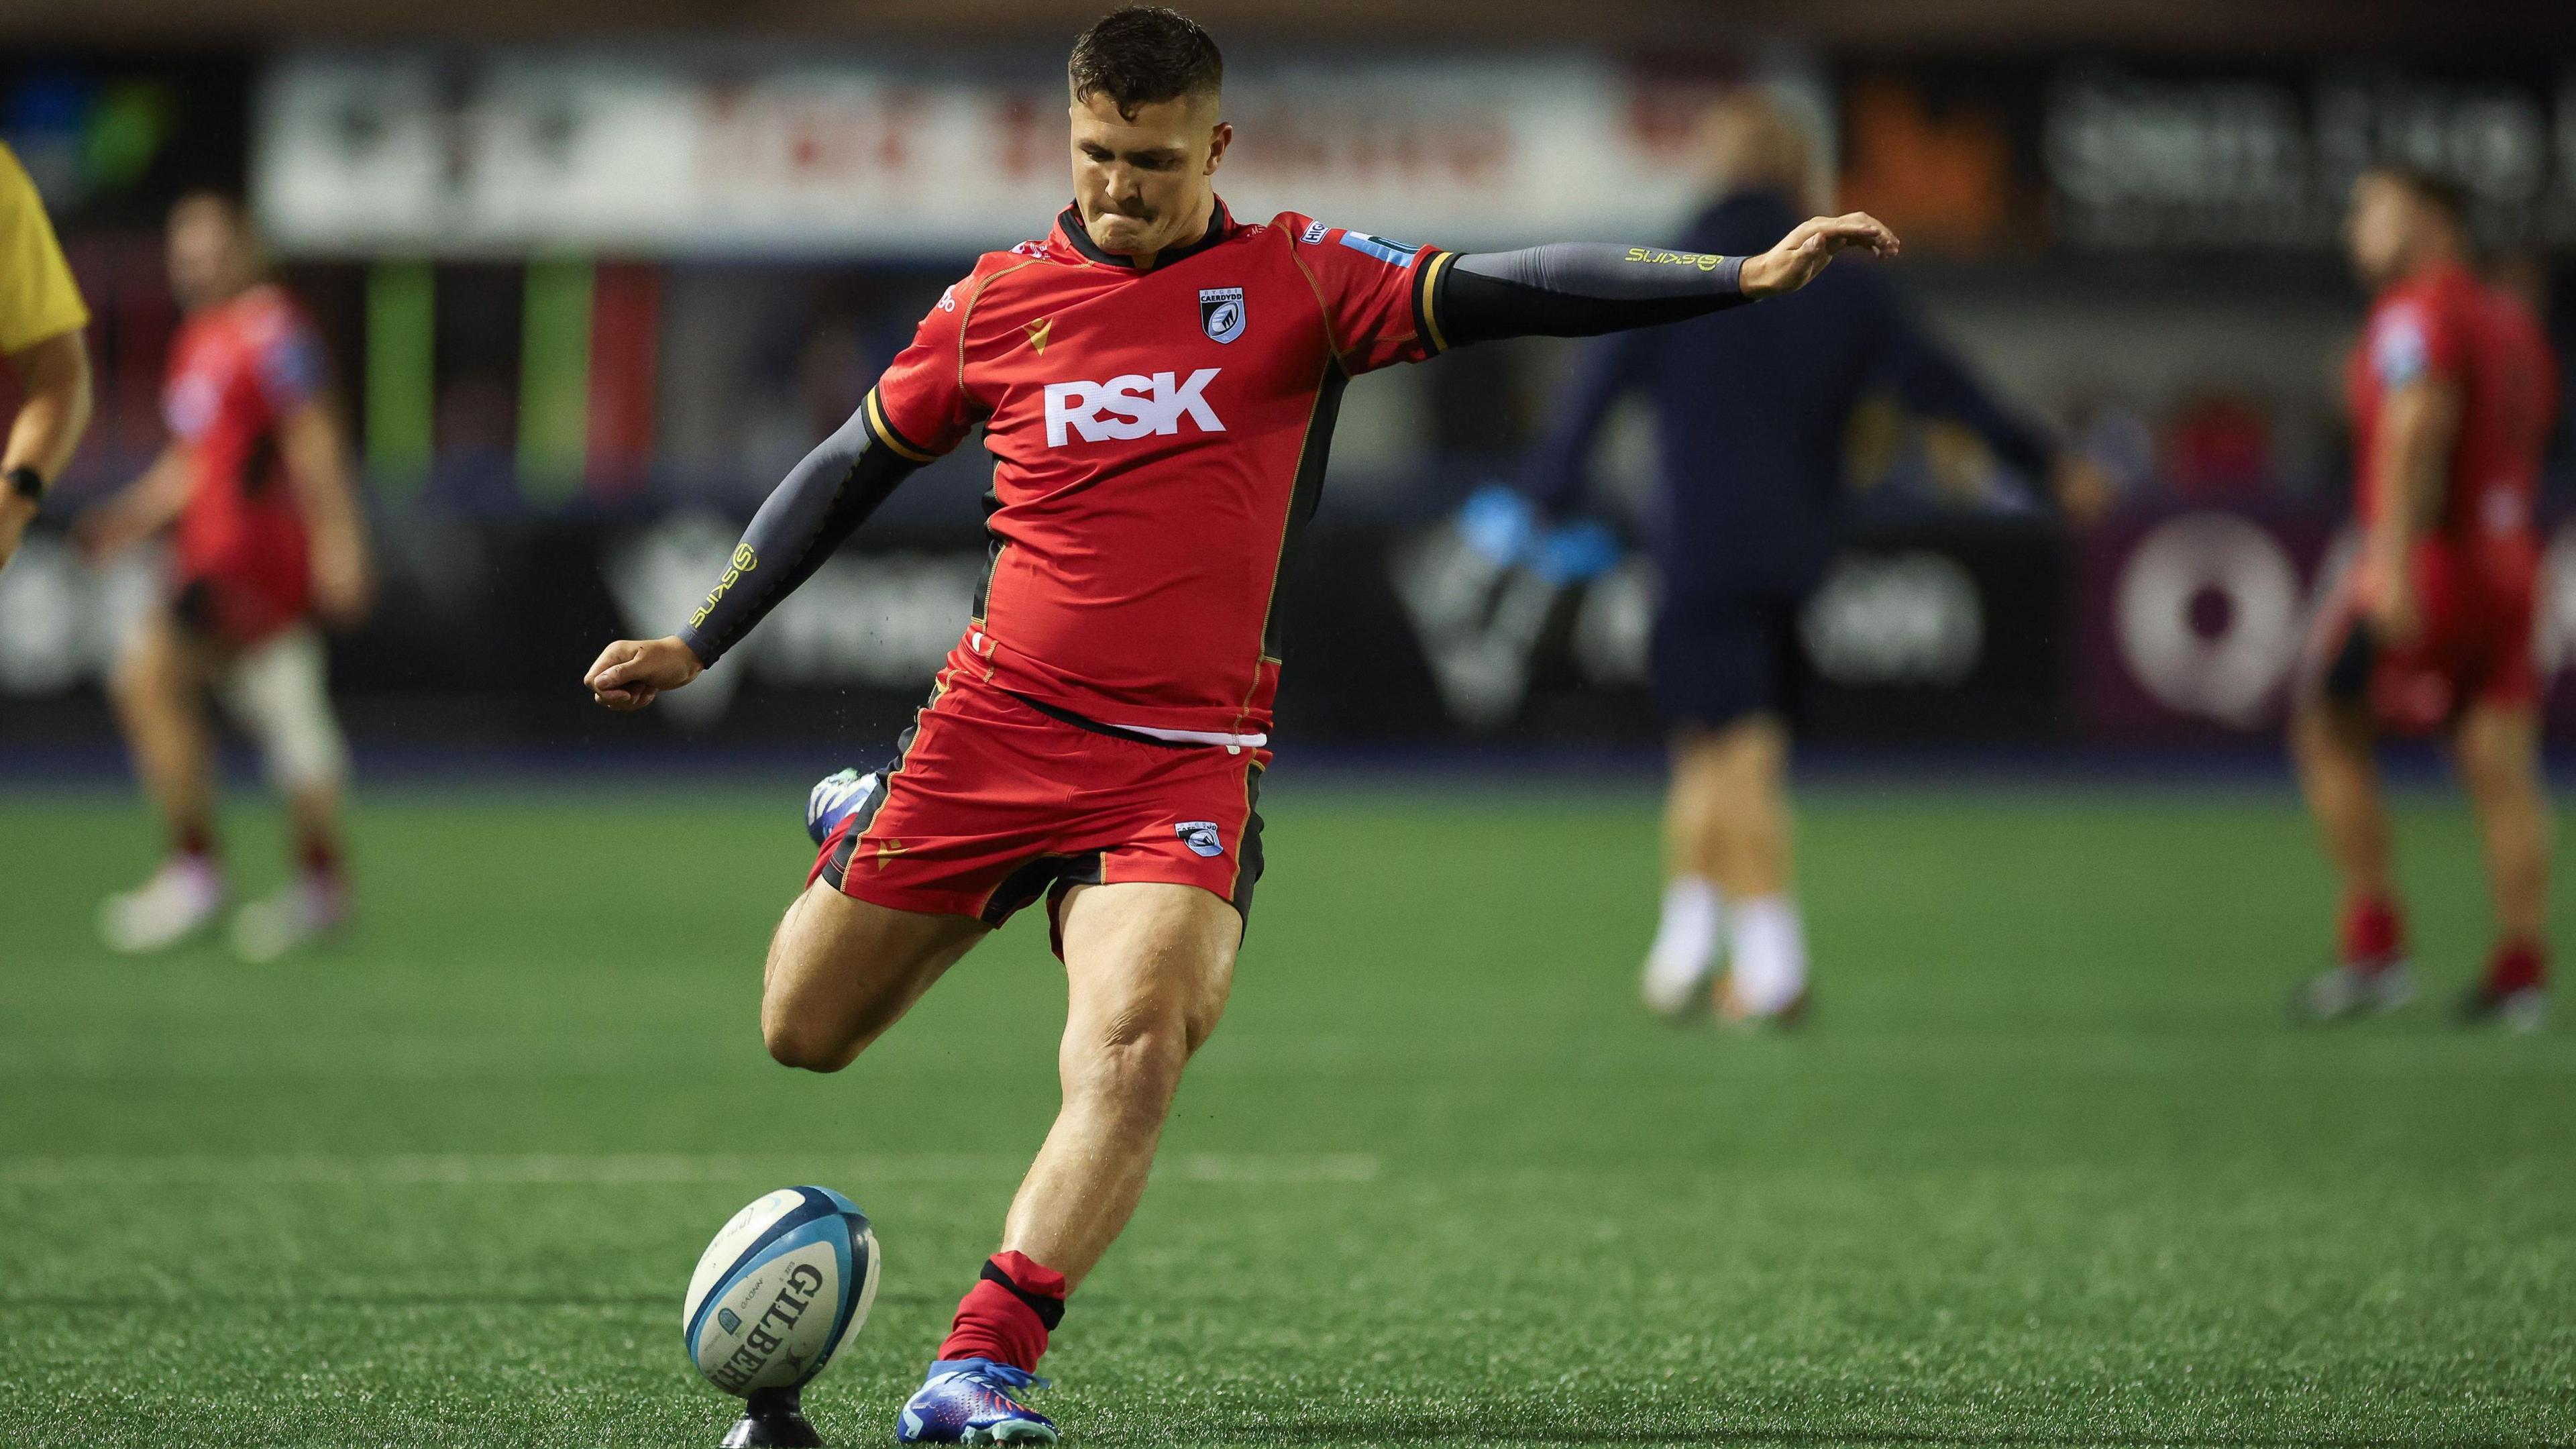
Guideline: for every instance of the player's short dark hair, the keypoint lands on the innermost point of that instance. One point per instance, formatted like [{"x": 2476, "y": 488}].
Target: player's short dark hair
[
  {"x": 2443, "y": 193},
  {"x": 1144, "y": 55}
]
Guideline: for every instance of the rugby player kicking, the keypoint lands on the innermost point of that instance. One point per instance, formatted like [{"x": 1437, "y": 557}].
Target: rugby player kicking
[
  {"x": 2430, "y": 632},
  {"x": 1156, "y": 381}
]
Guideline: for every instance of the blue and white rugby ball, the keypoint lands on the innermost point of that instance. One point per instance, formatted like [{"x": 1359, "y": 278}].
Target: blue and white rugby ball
[{"x": 780, "y": 1290}]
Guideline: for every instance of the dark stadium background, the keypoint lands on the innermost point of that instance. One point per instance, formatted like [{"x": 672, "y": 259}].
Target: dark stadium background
[{"x": 2124, "y": 215}]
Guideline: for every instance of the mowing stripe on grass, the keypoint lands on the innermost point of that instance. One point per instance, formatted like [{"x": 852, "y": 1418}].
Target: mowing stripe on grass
[{"x": 454, "y": 1169}]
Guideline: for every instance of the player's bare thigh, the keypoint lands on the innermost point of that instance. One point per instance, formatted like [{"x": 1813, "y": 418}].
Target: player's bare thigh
[
  {"x": 842, "y": 970},
  {"x": 1146, "y": 956}
]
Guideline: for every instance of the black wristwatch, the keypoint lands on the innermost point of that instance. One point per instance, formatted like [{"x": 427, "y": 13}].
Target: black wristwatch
[{"x": 27, "y": 483}]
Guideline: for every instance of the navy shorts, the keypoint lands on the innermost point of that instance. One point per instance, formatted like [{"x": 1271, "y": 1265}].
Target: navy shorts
[{"x": 1717, "y": 661}]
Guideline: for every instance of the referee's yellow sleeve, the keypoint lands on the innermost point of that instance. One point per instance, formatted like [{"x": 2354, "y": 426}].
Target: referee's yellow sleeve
[{"x": 38, "y": 298}]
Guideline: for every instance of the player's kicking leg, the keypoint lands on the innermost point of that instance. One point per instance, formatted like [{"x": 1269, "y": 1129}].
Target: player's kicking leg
[
  {"x": 841, "y": 970},
  {"x": 2498, "y": 750},
  {"x": 159, "y": 688},
  {"x": 2333, "y": 741},
  {"x": 1148, "y": 967}
]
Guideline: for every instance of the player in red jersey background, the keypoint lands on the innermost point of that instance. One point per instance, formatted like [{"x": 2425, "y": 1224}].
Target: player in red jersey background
[
  {"x": 2452, "y": 394},
  {"x": 265, "y": 537},
  {"x": 1156, "y": 380}
]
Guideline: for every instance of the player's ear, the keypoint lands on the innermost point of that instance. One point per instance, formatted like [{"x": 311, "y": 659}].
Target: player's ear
[{"x": 1218, "y": 140}]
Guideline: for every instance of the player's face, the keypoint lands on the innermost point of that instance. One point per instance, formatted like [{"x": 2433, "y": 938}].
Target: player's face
[
  {"x": 209, "y": 256},
  {"x": 1145, "y": 183},
  {"x": 2379, "y": 231}
]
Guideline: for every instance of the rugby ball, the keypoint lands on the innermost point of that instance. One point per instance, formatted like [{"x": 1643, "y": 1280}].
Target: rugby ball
[{"x": 783, "y": 1287}]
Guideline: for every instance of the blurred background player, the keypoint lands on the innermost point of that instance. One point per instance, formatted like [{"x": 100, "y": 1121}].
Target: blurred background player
[
  {"x": 2430, "y": 631},
  {"x": 266, "y": 535},
  {"x": 41, "y": 317},
  {"x": 1751, "y": 411}
]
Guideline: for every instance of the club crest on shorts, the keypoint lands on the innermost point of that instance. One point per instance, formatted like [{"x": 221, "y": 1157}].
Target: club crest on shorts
[
  {"x": 1221, "y": 314},
  {"x": 1200, "y": 835}
]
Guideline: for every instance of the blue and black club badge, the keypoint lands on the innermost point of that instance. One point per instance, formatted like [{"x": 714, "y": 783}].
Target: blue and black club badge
[{"x": 1221, "y": 312}]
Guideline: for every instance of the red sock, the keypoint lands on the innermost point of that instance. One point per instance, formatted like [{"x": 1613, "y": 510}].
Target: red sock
[
  {"x": 320, "y": 855},
  {"x": 2374, "y": 934},
  {"x": 1006, "y": 1315},
  {"x": 2519, "y": 963},
  {"x": 193, "y": 838}
]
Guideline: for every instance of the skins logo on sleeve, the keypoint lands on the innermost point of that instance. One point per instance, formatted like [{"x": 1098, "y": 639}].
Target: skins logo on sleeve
[{"x": 744, "y": 561}]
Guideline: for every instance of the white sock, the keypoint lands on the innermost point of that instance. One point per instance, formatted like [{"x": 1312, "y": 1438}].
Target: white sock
[
  {"x": 1686, "y": 939},
  {"x": 1768, "y": 953}
]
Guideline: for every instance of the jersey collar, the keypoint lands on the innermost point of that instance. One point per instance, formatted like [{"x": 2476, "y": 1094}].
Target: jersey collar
[{"x": 1072, "y": 237}]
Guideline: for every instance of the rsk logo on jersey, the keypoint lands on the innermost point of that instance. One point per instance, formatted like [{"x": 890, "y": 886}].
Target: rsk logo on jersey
[{"x": 1136, "y": 404}]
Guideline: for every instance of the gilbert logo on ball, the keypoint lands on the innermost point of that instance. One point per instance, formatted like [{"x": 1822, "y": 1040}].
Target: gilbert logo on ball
[{"x": 785, "y": 1284}]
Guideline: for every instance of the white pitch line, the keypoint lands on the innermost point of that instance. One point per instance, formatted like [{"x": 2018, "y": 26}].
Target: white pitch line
[{"x": 543, "y": 1169}]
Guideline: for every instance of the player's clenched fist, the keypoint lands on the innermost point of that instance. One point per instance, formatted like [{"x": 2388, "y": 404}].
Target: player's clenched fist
[
  {"x": 1805, "y": 251},
  {"x": 631, "y": 673}
]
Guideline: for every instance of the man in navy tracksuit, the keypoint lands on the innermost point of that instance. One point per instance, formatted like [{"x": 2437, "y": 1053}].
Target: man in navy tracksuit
[{"x": 1751, "y": 410}]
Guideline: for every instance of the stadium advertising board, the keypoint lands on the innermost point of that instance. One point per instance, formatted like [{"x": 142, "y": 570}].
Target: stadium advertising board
[
  {"x": 1943, "y": 631},
  {"x": 2179, "y": 625},
  {"x": 2201, "y": 155},
  {"x": 662, "y": 153},
  {"x": 2191, "y": 622}
]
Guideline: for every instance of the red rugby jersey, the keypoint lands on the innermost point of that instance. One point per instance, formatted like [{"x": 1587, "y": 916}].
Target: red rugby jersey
[
  {"x": 1158, "y": 437},
  {"x": 236, "y": 371},
  {"x": 2445, "y": 323}
]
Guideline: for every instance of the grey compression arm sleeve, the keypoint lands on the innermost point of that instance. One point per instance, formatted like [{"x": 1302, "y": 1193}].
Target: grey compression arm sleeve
[
  {"x": 1579, "y": 289},
  {"x": 823, "y": 499}
]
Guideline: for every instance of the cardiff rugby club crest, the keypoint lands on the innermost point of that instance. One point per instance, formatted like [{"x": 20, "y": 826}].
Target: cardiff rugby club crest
[
  {"x": 1200, "y": 835},
  {"x": 1221, "y": 314}
]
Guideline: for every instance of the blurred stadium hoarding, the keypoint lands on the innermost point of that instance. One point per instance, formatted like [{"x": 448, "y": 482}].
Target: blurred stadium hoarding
[
  {"x": 668, "y": 153},
  {"x": 2178, "y": 625},
  {"x": 665, "y": 154}
]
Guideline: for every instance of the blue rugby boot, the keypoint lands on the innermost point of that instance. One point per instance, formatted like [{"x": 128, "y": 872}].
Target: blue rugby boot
[
  {"x": 968, "y": 1401},
  {"x": 834, "y": 798}
]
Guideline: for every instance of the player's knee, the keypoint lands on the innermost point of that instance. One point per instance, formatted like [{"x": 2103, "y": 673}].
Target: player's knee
[
  {"x": 281, "y": 694},
  {"x": 804, "y": 1046},
  {"x": 1140, "y": 1051}
]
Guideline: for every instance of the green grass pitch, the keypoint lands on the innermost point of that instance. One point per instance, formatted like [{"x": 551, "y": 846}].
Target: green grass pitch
[{"x": 2047, "y": 1167}]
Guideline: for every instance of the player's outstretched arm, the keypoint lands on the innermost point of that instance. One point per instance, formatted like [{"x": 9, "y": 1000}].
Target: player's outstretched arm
[
  {"x": 1582, "y": 289},
  {"x": 821, "y": 502}
]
